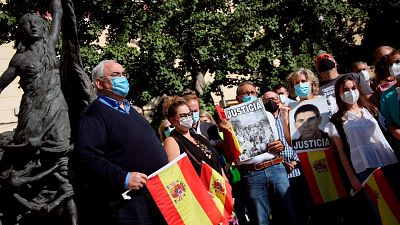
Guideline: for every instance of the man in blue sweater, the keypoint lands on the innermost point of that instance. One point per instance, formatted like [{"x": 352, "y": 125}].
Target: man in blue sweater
[{"x": 116, "y": 149}]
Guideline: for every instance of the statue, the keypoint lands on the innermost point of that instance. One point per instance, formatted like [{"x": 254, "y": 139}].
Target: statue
[{"x": 35, "y": 185}]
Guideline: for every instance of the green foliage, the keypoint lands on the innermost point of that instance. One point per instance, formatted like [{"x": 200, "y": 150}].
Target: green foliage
[{"x": 177, "y": 39}]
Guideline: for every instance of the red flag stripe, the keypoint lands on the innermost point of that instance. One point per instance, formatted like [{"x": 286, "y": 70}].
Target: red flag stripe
[
  {"x": 335, "y": 173},
  {"x": 204, "y": 200},
  {"x": 205, "y": 176},
  {"x": 220, "y": 112},
  {"x": 371, "y": 194},
  {"x": 387, "y": 193},
  {"x": 309, "y": 174},
  {"x": 163, "y": 198},
  {"x": 207, "y": 173}
]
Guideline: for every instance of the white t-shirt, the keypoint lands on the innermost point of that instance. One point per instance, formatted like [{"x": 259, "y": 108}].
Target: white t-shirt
[
  {"x": 368, "y": 147},
  {"x": 264, "y": 156}
]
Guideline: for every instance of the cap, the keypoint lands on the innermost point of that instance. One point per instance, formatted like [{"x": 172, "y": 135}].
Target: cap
[{"x": 328, "y": 62}]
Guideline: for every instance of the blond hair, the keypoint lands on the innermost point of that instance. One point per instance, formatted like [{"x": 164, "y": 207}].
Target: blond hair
[{"x": 309, "y": 76}]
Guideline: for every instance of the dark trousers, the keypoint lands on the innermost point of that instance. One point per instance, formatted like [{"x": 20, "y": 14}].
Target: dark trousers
[{"x": 140, "y": 210}]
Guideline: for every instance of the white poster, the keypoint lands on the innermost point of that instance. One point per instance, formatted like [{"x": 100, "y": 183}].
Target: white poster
[
  {"x": 307, "y": 123},
  {"x": 252, "y": 128}
]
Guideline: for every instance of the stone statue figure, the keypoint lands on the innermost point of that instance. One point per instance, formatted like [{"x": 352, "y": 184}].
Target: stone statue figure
[{"x": 34, "y": 175}]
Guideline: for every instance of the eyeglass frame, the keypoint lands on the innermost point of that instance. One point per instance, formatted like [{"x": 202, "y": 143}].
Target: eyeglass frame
[
  {"x": 115, "y": 74},
  {"x": 185, "y": 115}
]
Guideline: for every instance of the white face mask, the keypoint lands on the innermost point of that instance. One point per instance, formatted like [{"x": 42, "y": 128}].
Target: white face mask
[
  {"x": 186, "y": 123},
  {"x": 283, "y": 99},
  {"x": 395, "y": 69},
  {"x": 366, "y": 75},
  {"x": 350, "y": 97}
]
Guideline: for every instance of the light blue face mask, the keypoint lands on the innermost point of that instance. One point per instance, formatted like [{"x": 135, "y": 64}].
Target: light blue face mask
[
  {"x": 249, "y": 98},
  {"x": 196, "y": 117},
  {"x": 120, "y": 86},
  {"x": 302, "y": 89},
  {"x": 168, "y": 132}
]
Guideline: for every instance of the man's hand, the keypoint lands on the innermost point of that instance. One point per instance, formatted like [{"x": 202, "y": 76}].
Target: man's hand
[
  {"x": 284, "y": 110},
  {"x": 224, "y": 126},
  {"x": 276, "y": 146},
  {"x": 289, "y": 166},
  {"x": 137, "y": 180}
]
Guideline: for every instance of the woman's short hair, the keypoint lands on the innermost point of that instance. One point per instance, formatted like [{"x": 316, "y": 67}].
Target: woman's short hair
[
  {"x": 171, "y": 103},
  {"x": 309, "y": 76}
]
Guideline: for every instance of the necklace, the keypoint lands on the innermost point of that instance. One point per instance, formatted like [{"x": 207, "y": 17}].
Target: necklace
[{"x": 204, "y": 149}]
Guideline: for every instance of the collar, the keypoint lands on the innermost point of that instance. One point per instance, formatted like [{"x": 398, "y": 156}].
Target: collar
[{"x": 114, "y": 103}]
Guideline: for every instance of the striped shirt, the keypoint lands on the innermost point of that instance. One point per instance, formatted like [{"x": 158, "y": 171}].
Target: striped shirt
[{"x": 288, "y": 154}]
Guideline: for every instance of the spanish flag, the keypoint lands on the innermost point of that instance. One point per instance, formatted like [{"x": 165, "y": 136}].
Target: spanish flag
[
  {"x": 180, "y": 195},
  {"x": 322, "y": 175},
  {"x": 218, "y": 187},
  {"x": 231, "y": 146},
  {"x": 382, "y": 195}
]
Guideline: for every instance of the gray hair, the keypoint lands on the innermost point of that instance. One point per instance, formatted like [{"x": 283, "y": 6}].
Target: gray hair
[
  {"x": 244, "y": 83},
  {"x": 98, "y": 71}
]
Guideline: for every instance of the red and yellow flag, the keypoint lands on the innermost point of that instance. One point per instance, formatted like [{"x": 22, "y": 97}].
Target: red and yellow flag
[
  {"x": 218, "y": 187},
  {"x": 231, "y": 146},
  {"x": 322, "y": 175},
  {"x": 180, "y": 195},
  {"x": 382, "y": 194}
]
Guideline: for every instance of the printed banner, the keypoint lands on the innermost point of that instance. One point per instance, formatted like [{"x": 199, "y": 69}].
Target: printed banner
[
  {"x": 307, "y": 123},
  {"x": 252, "y": 128},
  {"x": 231, "y": 149}
]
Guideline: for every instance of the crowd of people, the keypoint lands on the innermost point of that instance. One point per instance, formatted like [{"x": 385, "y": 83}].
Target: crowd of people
[{"x": 116, "y": 148}]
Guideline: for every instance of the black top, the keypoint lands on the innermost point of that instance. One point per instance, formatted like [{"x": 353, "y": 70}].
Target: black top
[
  {"x": 195, "y": 154},
  {"x": 111, "y": 143}
]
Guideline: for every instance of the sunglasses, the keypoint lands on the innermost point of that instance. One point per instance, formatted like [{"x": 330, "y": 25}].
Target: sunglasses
[{"x": 166, "y": 128}]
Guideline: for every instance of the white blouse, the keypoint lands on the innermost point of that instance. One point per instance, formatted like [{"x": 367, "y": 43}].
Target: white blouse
[{"x": 368, "y": 147}]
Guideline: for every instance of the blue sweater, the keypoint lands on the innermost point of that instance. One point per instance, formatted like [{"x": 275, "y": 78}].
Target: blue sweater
[{"x": 110, "y": 144}]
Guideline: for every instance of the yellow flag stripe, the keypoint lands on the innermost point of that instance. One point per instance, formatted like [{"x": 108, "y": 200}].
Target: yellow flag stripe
[
  {"x": 387, "y": 216},
  {"x": 323, "y": 176},
  {"x": 187, "y": 205},
  {"x": 216, "y": 177}
]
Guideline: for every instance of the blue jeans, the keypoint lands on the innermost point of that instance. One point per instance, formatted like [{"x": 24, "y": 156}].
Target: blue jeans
[{"x": 258, "y": 184}]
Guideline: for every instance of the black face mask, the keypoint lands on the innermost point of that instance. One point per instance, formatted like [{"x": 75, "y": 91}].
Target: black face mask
[
  {"x": 325, "y": 65},
  {"x": 271, "y": 106}
]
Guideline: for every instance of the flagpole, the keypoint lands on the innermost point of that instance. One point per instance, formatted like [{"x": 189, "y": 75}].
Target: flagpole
[{"x": 125, "y": 194}]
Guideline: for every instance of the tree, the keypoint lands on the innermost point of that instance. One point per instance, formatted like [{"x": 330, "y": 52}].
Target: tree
[
  {"x": 380, "y": 27},
  {"x": 177, "y": 41}
]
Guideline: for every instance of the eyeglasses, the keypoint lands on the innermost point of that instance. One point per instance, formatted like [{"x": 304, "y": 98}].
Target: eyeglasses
[
  {"x": 115, "y": 74},
  {"x": 184, "y": 115},
  {"x": 248, "y": 93},
  {"x": 167, "y": 128},
  {"x": 273, "y": 99}
]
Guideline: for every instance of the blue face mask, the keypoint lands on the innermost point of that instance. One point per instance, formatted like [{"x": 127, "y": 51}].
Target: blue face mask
[
  {"x": 120, "y": 86},
  {"x": 196, "y": 117},
  {"x": 249, "y": 98},
  {"x": 168, "y": 132},
  {"x": 302, "y": 89}
]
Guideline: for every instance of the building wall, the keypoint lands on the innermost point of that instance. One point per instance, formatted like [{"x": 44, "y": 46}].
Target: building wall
[{"x": 10, "y": 97}]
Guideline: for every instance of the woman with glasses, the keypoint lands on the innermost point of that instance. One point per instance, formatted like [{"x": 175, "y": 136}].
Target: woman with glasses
[{"x": 183, "y": 139}]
